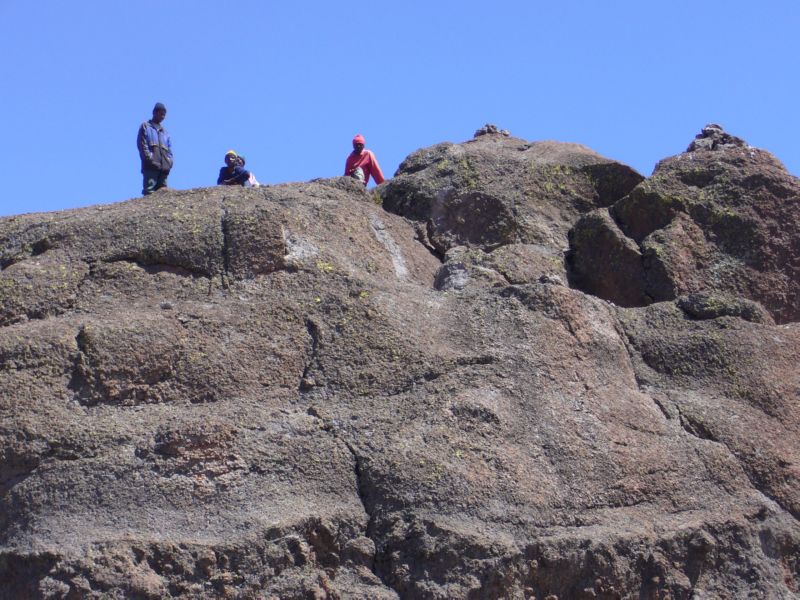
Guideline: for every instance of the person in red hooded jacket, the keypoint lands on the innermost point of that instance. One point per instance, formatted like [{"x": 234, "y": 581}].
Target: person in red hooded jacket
[{"x": 361, "y": 163}]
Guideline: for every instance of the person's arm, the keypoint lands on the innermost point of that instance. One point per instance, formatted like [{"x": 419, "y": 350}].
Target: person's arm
[
  {"x": 240, "y": 175},
  {"x": 376, "y": 169},
  {"x": 168, "y": 141},
  {"x": 221, "y": 177},
  {"x": 144, "y": 148},
  {"x": 348, "y": 164}
]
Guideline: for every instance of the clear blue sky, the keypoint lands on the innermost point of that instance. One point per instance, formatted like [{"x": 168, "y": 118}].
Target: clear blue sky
[{"x": 289, "y": 84}]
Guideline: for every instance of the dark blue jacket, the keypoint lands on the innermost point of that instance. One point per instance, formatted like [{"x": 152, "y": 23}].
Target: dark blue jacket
[
  {"x": 239, "y": 176},
  {"x": 155, "y": 147}
]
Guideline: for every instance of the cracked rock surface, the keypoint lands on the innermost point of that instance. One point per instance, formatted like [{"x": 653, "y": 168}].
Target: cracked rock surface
[
  {"x": 722, "y": 217},
  {"x": 290, "y": 392}
]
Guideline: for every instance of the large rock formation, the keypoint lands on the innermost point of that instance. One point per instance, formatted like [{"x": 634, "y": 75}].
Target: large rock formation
[
  {"x": 513, "y": 199},
  {"x": 288, "y": 392},
  {"x": 722, "y": 217}
]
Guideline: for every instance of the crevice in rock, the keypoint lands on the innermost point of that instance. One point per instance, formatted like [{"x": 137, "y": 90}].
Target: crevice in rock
[
  {"x": 226, "y": 248},
  {"x": 620, "y": 223},
  {"x": 695, "y": 428},
  {"x": 307, "y": 383},
  {"x": 7, "y": 262},
  {"x": 485, "y": 359},
  {"x": 573, "y": 279},
  {"x": 41, "y": 247},
  {"x": 650, "y": 284},
  {"x": 699, "y": 430},
  {"x": 612, "y": 181},
  {"x": 79, "y": 383},
  {"x": 364, "y": 496},
  {"x": 658, "y": 403},
  {"x": 423, "y": 236},
  {"x": 361, "y": 489},
  {"x": 90, "y": 275},
  {"x": 642, "y": 294},
  {"x": 506, "y": 277},
  {"x": 628, "y": 345}
]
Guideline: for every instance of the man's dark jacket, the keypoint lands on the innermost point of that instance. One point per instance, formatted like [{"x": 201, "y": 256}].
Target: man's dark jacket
[{"x": 155, "y": 147}]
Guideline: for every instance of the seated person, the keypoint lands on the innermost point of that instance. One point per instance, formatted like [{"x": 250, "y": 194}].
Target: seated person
[
  {"x": 361, "y": 163},
  {"x": 233, "y": 173},
  {"x": 252, "y": 181}
]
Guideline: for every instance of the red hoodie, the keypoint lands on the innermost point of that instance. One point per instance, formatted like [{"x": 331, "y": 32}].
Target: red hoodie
[{"x": 368, "y": 163}]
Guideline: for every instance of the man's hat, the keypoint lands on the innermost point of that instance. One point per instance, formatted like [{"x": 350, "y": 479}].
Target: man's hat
[
  {"x": 359, "y": 139},
  {"x": 159, "y": 106}
]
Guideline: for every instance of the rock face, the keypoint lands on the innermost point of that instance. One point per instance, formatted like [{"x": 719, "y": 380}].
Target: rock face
[
  {"x": 288, "y": 392},
  {"x": 514, "y": 200},
  {"x": 722, "y": 217}
]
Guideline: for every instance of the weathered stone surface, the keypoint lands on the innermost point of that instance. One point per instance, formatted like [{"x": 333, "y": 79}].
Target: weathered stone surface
[
  {"x": 727, "y": 381},
  {"x": 45, "y": 285},
  {"x": 497, "y": 190},
  {"x": 283, "y": 393},
  {"x": 512, "y": 263},
  {"x": 490, "y": 128},
  {"x": 721, "y": 217},
  {"x": 620, "y": 261},
  {"x": 714, "y": 137},
  {"x": 711, "y": 306}
]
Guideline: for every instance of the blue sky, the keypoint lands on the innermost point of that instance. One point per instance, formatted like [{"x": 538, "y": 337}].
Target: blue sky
[{"x": 289, "y": 84}]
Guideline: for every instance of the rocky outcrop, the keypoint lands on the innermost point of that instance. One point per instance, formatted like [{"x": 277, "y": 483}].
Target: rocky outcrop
[
  {"x": 289, "y": 392},
  {"x": 496, "y": 191},
  {"x": 720, "y": 218}
]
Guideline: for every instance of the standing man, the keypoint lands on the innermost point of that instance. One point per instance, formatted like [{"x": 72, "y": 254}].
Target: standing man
[
  {"x": 155, "y": 150},
  {"x": 361, "y": 163}
]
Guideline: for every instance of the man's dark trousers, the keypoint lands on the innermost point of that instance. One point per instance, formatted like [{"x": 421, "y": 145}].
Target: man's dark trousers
[{"x": 154, "y": 179}]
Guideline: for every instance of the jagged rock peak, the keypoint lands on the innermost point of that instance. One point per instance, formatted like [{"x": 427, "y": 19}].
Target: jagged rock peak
[
  {"x": 491, "y": 128},
  {"x": 730, "y": 207},
  {"x": 714, "y": 137}
]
